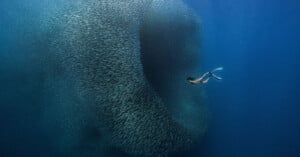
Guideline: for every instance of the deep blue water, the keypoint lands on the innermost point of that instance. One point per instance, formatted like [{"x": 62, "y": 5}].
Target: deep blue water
[{"x": 255, "y": 109}]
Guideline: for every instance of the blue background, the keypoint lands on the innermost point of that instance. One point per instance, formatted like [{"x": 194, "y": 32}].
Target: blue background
[{"x": 256, "y": 108}]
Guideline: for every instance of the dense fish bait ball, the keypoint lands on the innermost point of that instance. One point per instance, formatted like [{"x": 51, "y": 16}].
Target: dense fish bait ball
[{"x": 105, "y": 50}]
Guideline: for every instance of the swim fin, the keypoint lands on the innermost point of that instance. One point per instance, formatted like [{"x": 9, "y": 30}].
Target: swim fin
[
  {"x": 217, "y": 69},
  {"x": 216, "y": 77}
]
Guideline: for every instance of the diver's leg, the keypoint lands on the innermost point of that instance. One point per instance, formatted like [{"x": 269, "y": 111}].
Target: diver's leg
[
  {"x": 204, "y": 75},
  {"x": 205, "y": 81}
]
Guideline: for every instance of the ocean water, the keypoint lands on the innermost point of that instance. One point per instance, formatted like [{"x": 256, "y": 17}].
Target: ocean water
[{"x": 254, "y": 110}]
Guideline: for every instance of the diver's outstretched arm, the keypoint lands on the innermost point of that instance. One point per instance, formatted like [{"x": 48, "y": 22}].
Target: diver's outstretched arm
[{"x": 217, "y": 69}]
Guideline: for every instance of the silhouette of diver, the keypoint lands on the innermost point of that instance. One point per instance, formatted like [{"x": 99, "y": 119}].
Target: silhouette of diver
[{"x": 205, "y": 77}]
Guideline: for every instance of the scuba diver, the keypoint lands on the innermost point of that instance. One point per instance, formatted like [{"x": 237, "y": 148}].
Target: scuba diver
[{"x": 205, "y": 77}]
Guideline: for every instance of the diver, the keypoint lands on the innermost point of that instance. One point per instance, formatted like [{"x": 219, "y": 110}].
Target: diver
[{"x": 205, "y": 77}]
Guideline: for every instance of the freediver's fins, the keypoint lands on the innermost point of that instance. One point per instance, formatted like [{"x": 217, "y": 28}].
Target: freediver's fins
[
  {"x": 217, "y": 69},
  {"x": 216, "y": 77}
]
